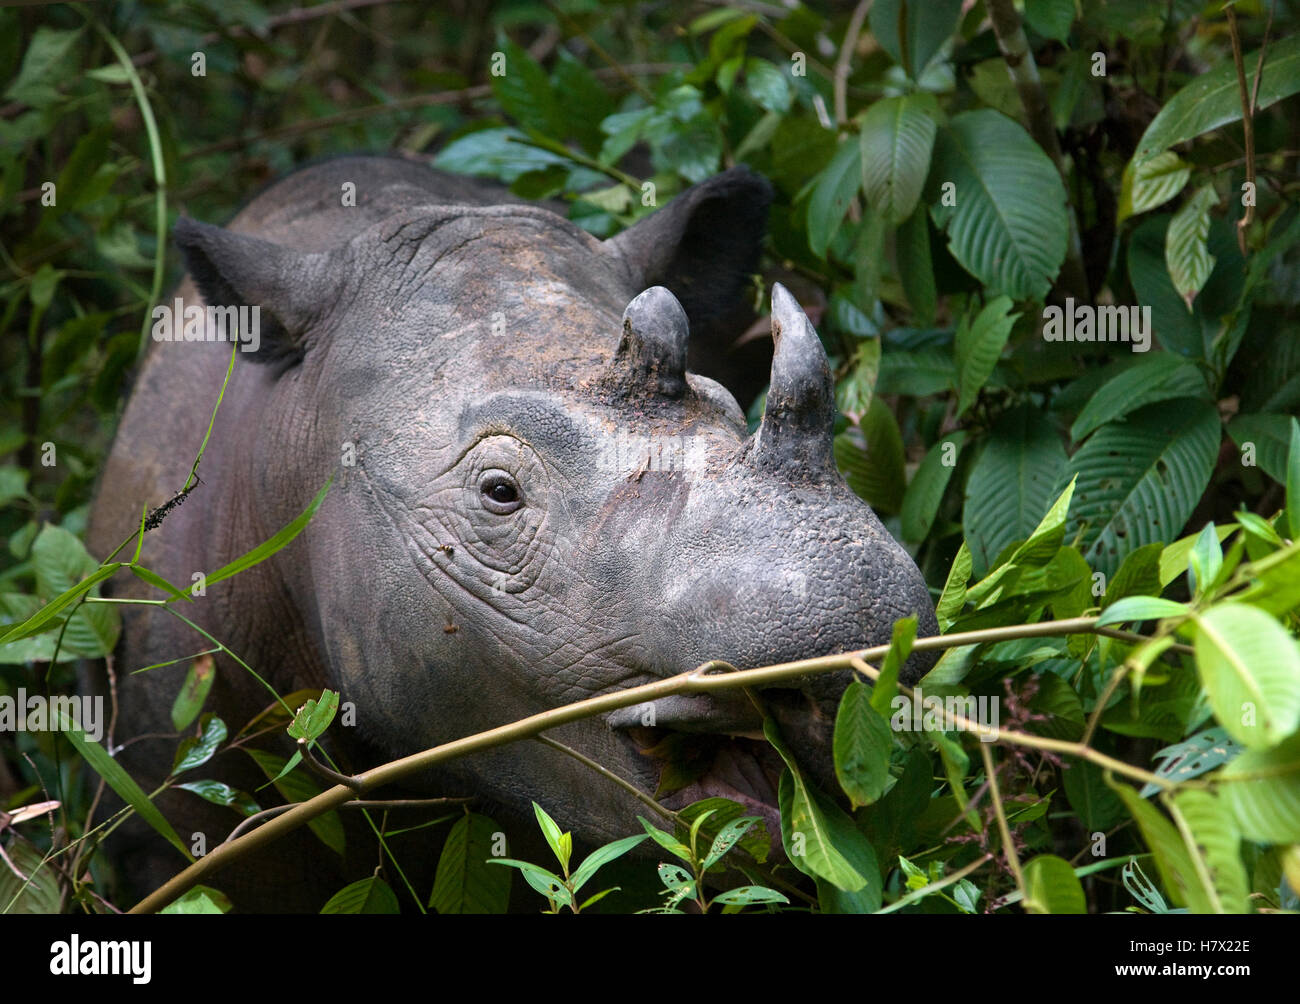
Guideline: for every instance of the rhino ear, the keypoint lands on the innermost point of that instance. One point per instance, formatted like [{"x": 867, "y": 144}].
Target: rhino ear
[
  {"x": 236, "y": 270},
  {"x": 703, "y": 245}
]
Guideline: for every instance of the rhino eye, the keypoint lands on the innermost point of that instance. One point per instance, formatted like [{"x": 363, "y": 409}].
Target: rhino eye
[{"x": 499, "y": 492}]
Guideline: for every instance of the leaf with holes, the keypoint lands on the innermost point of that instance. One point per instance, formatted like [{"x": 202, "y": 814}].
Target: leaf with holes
[{"x": 1140, "y": 479}]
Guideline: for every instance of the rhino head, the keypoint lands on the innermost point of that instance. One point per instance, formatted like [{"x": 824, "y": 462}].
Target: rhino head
[{"x": 538, "y": 502}]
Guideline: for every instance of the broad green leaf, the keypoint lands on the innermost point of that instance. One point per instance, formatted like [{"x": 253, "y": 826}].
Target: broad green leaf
[
  {"x": 862, "y": 745},
  {"x": 870, "y": 456},
  {"x": 897, "y": 136},
  {"x": 1140, "y": 479},
  {"x": 916, "y": 267},
  {"x": 39, "y": 894},
  {"x": 667, "y": 841},
  {"x": 1052, "y": 887},
  {"x": 1292, "y": 481},
  {"x": 496, "y": 153},
  {"x": 1250, "y": 668},
  {"x": 1012, "y": 482},
  {"x": 1205, "y": 561},
  {"x": 1276, "y": 586},
  {"x": 1155, "y": 377},
  {"x": 367, "y": 895},
  {"x": 603, "y": 856},
  {"x": 1152, "y": 182},
  {"x": 767, "y": 85},
  {"x": 280, "y": 539},
  {"x": 1262, "y": 790},
  {"x": 1214, "y": 847},
  {"x": 1174, "y": 558},
  {"x": 832, "y": 192},
  {"x": 806, "y": 825},
  {"x": 46, "y": 66},
  {"x": 219, "y": 793},
  {"x": 1187, "y": 252},
  {"x": 526, "y": 94},
  {"x": 1263, "y": 441},
  {"x": 925, "y": 492},
  {"x": 756, "y": 842},
  {"x": 978, "y": 344},
  {"x": 1139, "y": 575},
  {"x": 464, "y": 883},
  {"x": 1008, "y": 225},
  {"x": 314, "y": 717},
  {"x": 913, "y": 31},
  {"x": 916, "y": 372},
  {"x": 728, "y": 837},
  {"x": 1212, "y": 99},
  {"x": 1097, "y": 806}
]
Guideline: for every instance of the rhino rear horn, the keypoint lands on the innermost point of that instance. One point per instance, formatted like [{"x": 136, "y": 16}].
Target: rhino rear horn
[
  {"x": 235, "y": 270},
  {"x": 651, "y": 353},
  {"x": 794, "y": 437}
]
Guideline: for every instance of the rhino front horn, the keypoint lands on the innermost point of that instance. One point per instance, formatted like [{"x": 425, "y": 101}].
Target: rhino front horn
[
  {"x": 651, "y": 354},
  {"x": 794, "y": 438}
]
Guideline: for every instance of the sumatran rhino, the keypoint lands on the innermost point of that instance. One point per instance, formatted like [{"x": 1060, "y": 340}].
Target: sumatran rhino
[{"x": 533, "y": 502}]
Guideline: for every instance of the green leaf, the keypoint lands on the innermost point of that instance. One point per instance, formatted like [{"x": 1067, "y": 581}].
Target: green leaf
[
  {"x": 978, "y": 344},
  {"x": 1187, "y": 252},
  {"x": 806, "y": 825},
  {"x": 219, "y": 793},
  {"x": 601, "y": 857},
  {"x": 1174, "y": 558},
  {"x": 548, "y": 884},
  {"x": 1141, "y": 608},
  {"x": 1212, "y": 99},
  {"x": 1138, "y": 575},
  {"x": 913, "y": 31},
  {"x": 1156, "y": 377},
  {"x": 897, "y": 137},
  {"x": 116, "y": 777},
  {"x": 767, "y": 86},
  {"x": 902, "y": 635},
  {"x": 728, "y": 837},
  {"x": 1261, "y": 788},
  {"x": 1292, "y": 482},
  {"x": 1177, "y": 873},
  {"x": 1097, "y": 806},
  {"x": 45, "y": 66},
  {"x": 464, "y": 883},
  {"x": 1151, "y": 182},
  {"x": 1250, "y": 668},
  {"x": 313, "y": 718},
  {"x": 201, "y": 899},
  {"x": 1012, "y": 482},
  {"x": 749, "y": 895},
  {"x": 494, "y": 153},
  {"x": 295, "y": 787},
  {"x": 158, "y": 582},
  {"x": 554, "y": 836},
  {"x": 1268, "y": 440},
  {"x": 1205, "y": 561},
  {"x": 953, "y": 597},
  {"x": 39, "y": 894},
  {"x": 1050, "y": 18},
  {"x": 526, "y": 94},
  {"x": 1214, "y": 847},
  {"x": 367, "y": 895},
  {"x": 870, "y": 456},
  {"x": 916, "y": 267},
  {"x": 925, "y": 493},
  {"x": 1052, "y": 887},
  {"x": 269, "y": 547},
  {"x": 756, "y": 842},
  {"x": 1139, "y": 480},
  {"x": 862, "y": 745},
  {"x": 832, "y": 192},
  {"x": 667, "y": 841},
  {"x": 196, "y": 751},
  {"x": 1008, "y": 227},
  {"x": 585, "y": 101}
]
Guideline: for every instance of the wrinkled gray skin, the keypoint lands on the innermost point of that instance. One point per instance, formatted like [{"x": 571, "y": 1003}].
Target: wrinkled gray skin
[{"x": 492, "y": 552}]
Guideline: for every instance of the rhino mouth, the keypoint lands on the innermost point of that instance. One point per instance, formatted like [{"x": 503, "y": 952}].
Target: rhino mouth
[{"x": 701, "y": 749}]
